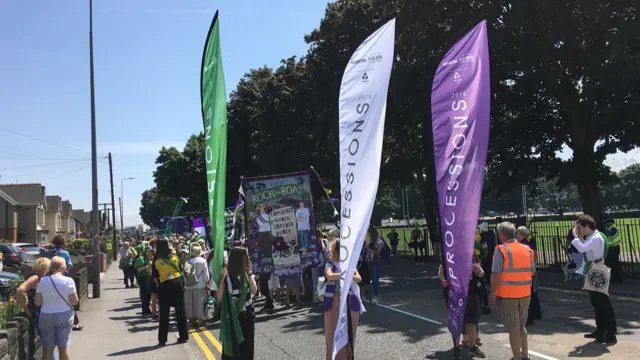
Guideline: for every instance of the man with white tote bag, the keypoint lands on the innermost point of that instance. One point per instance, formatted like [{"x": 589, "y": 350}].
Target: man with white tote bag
[{"x": 596, "y": 278}]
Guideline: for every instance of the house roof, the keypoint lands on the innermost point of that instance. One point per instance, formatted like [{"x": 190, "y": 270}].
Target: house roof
[
  {"x": 82, "y": 216},
  {"x": 54, "y": 203},
  {"x": 25, "y": 194},
  {"x": 8, "y": 198},
  {"x": 67, "y": 208}
]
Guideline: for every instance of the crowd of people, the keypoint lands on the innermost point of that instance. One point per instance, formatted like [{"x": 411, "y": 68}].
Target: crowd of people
[
  {"x": 173, "y": 272},
  {"x": 49, "y": 296},
  {"x": 503, "y": 275}
]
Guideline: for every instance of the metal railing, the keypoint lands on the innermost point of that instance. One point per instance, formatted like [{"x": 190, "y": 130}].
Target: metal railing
[{"x": 551, "y": 240}]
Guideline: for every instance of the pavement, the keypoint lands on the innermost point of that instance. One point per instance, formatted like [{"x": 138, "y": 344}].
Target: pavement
[
  {"x": 114, "y": 328},
  {"x": 410, "y": 323}
]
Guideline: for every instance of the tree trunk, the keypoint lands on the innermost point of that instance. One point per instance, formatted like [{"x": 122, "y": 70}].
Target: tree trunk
[
  {"x": 590, "y": 198},
  {"x": 587, "y": 182},
  {"x": 430, "y": 203}
]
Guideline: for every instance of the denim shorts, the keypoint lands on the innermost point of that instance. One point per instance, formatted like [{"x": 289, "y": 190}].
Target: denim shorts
[{"x": 55, "y": 329}]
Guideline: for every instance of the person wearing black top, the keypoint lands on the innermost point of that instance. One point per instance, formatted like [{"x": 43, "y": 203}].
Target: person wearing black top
[{"x": 240, "y": 284}]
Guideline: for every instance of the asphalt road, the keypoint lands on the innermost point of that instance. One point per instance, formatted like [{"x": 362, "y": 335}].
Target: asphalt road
[{"x": 411, "y": 324}]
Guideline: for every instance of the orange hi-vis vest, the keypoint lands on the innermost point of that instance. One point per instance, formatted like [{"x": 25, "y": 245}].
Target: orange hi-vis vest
[{"x": 517, "y": 270}]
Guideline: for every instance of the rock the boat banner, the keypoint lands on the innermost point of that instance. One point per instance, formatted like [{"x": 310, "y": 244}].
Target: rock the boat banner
[
  {"x": 214, "y": 117},
  {"x": 362, "y": 107},
  {"x": 280, "y": 223},
  {"x": 460, "y": 103}
]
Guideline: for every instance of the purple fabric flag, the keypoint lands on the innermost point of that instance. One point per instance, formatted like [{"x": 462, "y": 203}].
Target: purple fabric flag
[{"x": 460, "y": 102}]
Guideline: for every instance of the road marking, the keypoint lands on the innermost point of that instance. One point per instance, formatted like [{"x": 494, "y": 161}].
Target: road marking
[
  {"x": 211, "y": 338},
  {"x": 203, "y": 346},
  {"x": 546, "y": 357},
  {"x": 410, "y": 314},
  {"x": 579, "y": 292}
]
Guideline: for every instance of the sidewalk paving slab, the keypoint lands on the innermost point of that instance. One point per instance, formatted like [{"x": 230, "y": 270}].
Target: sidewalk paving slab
[{"x": 114, "y": 328}]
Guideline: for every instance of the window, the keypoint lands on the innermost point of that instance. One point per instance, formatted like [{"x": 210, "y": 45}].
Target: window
[{"x": 41, "y": 215}]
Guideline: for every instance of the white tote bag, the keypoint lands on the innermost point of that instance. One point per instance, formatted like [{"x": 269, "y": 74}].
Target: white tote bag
[{"x": 598, "y": 278}]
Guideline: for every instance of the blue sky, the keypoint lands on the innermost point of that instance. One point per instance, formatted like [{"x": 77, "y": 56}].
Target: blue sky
[{"x": 147, "y": 72}]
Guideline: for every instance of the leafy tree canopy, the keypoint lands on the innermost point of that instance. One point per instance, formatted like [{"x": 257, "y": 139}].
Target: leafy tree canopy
[{"x": 563, "y": 75}]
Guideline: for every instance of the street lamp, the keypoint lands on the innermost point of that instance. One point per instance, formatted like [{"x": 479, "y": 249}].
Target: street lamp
[{"x": 122, "y": 202}]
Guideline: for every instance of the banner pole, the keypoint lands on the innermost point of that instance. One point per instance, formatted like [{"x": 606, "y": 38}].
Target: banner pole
[
  {"x": 351, "y": 348},
  {"x": 326, "y": 193}
]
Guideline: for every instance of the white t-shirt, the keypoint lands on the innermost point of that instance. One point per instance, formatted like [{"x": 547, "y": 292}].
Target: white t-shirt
[
  {"x": 303, "y": 219},
  {"x": 52, "y": 302},
  {"x": 263, "y": 223},
  {"x": 593, "y": 246}
]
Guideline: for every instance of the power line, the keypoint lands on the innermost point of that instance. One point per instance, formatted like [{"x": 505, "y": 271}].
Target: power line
[
  {"x": 45, "y": 173},
  {"x": 41, "y": 165},
  {"x": 37, "y": 139},
  {"x": 31, "y": 157},
  {"x": 43, "y": 159},
  {"x": 48, "y": 175}
]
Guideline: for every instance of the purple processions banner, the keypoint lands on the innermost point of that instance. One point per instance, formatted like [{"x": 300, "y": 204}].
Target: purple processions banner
[{"x": 460, "y": 105}]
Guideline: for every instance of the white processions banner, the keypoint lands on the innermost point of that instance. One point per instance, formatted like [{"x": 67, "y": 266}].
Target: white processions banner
[{"x": 362, "y": 107}]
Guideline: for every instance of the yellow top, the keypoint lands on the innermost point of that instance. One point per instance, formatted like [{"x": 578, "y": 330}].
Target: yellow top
[{"x": 165, "y": 270}]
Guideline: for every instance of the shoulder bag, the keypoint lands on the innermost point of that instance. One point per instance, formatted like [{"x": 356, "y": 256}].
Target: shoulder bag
[{"x": 62, "y": 297}]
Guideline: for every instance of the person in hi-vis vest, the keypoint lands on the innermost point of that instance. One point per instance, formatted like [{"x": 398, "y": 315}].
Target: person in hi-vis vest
[
  {"x": 612, "y": 260},
  {"x": 512, "y": 276}
]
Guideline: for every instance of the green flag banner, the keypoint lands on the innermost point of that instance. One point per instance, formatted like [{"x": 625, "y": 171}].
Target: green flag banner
[{"x": 214, "y": 116}]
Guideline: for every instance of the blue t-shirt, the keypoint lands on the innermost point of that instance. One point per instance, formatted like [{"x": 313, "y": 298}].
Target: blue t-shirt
[
  {"x": 57, "y": 251},
  {"x": 65, "y": 255}
]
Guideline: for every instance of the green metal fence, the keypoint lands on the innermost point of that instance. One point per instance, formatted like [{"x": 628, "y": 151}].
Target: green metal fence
[{"x": 551, "y": 241}]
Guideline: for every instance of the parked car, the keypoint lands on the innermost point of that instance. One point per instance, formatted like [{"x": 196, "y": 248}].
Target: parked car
[
  {"x": 5, "y": 282},
  {"x": 14, "y": 257},
  {"x": 30, "y": 248}
]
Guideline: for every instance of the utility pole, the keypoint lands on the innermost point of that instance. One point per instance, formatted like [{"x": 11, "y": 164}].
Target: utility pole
[
  {"x": 114, "y": 242},
  {"x": 94, "y": 168},
  {"x": 104, "y": 211}
]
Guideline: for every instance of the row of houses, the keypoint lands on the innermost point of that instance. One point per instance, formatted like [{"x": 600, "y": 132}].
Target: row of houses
[{"x": 28, "y": 214}]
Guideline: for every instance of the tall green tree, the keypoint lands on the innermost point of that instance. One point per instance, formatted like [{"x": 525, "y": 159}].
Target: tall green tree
[
  {"x": 573, "y": 77},
  {"x": 153, "y": 206},
  {"x": 629, "y": 194}
]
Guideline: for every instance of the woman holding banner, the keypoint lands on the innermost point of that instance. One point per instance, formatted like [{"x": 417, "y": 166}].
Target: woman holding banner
[
  {"x": 237, "y": 323},
  {"x": 332, "y": 302}
]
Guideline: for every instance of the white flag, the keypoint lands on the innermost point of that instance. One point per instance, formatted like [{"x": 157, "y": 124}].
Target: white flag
[{"x": 363, "y": 102}]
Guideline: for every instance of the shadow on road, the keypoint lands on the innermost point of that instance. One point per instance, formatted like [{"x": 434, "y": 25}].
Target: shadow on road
[
  {"x": 416, "y": 289},
  {"x": 589, "y": 350},
  {"x": 138, "y": 350}
]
